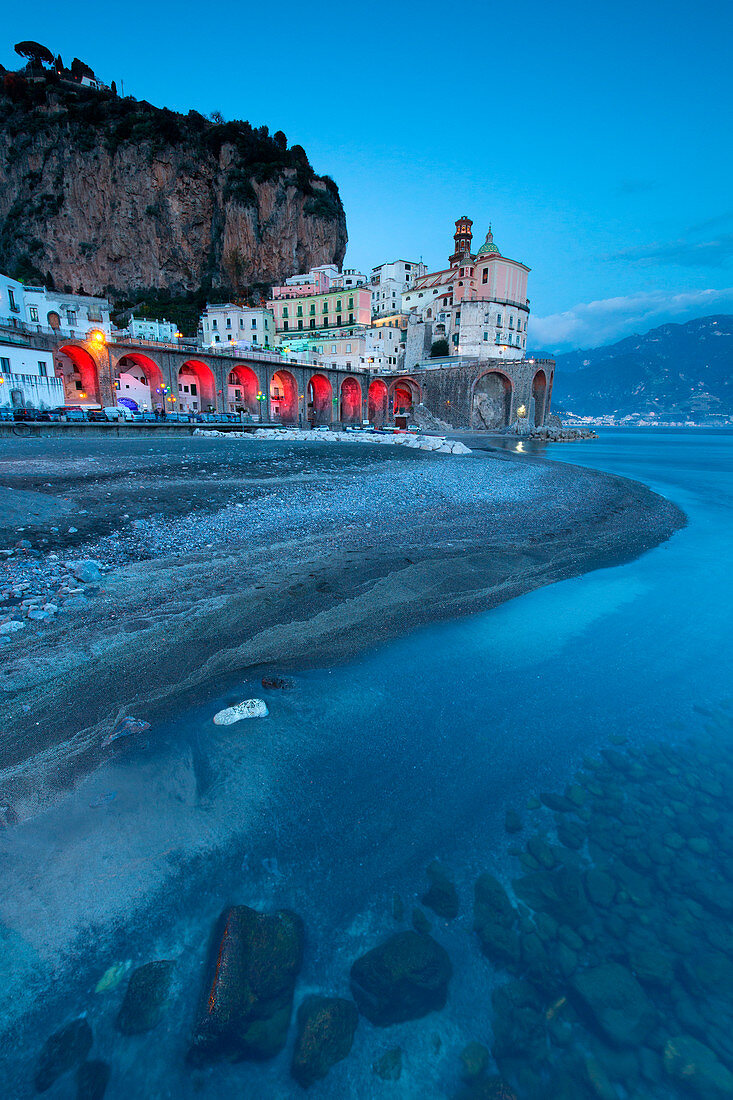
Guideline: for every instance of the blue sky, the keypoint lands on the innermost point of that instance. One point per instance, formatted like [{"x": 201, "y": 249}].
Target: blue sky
[{"x": 595, "y": 138}]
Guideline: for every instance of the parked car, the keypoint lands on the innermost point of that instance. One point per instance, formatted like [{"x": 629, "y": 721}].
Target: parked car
[
  {"x": 70, "y": 412},
  {"x": 6, "y": 412},
  {"x": 117, "y": 413},
  {"x": 142, "y": 417},
  {"x": 31, "y": 414},
  {"x": 97, "y": 415}
]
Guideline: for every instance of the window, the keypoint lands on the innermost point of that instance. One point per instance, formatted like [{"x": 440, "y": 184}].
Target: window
[
  {"x": 229, "y": 322},
  {"x": 4, "y": 365},
  {"x": 33, "y": 311},
  {"x": 71, "y": 317},
  {"x": 348, "y": 348},
  {"x": 193, "y": 389},
  {"x": 11, "y": 298},
  {"x": 214, "y": 323},
  {"x": 312, "y": 322},
  {"x": 241, "y": 322},
  {"x": 333, "y": 349},
  {"x": 351, "y": 303},
  {"x": 77, "y": 385},
  {"x": 498, "y": 338},
  {"x": 300, "y": 324},
  {"x": 285, "y": 326},
  {"x": 498, "y": 320},
  {"x": 267, "y": 323},
  {"x": 485, "y": 276},
  {"x": 216, "y": 339},
  {"x": 486, "y": 336},
  {"x": 351, "y": 316},
  {"x": 338, "y": 307},
  {"x": 285, "y": 312},
  {"x": 338, "y": 319},
  {"x": 254, "y": 322},
  {"x": 300, "y": 311}
]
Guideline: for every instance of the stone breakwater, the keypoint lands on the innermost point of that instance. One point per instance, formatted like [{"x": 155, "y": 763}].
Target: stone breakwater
[{"x": 439, "y": 444}]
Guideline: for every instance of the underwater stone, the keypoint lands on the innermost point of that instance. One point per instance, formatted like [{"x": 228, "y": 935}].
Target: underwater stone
[
  {"x": 145, "y": 997},
  {"x": 420, "y": 922},
  {"x": 326, "y": 1027},
  {"x": 91, "y": 1080},
  {"x": 513, "y": 822},
  {"x": 600, "y": 887},
  {"x": 248, "y": 996},
  {"x": 692, "y": 1063},
  {"x": 441, "y": 895},
  {"x": 62, "y": 1051},
  {"x": 475, "y": 1058},
  {"x": 615, "y": 1003},
  {"x": 494, "y": 921},
  {"x": 389, "y": 1066},
  {"x": 557, "y": 802},
  {"x": 404, "y": 978}
]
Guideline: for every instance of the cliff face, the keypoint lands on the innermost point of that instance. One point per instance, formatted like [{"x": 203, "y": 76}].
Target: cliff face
[{"x": 117, "y": 195}]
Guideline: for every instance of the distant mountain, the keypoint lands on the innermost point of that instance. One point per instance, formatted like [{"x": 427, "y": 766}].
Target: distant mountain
[{"x": 679, "y": 371}]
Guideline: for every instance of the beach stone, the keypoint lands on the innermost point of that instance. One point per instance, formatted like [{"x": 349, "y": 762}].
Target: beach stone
[
  {"x": 615, "y": 1002},
  {"x": 250, "y": 708},
  {"x": 91, "y": 1080},
  {"x": 571, "y": 834},
  {"x": 513, "y": 822},
  {"x": 86, "y": 571},
  {"x": 557, "y": 802},
  {"x": 389, "y": 1066},
  {"x": 441, "y": 895},
  {"x": 145, "y": 998},
  {"x": 247, "y": 998},
  {"x": 326, "y": 1027},
  {"x": 11, "y": 627},
  {"x": 495, "y": 921},
  {"x": 519, "y": 1023},
  {"x": 652, "y": 966},
  {"x": 63, "y": 1050},
  {"x": 696, "y": 1067},
  {"x": 404, "y": 978},
  {"x": 540, "y": 850}
]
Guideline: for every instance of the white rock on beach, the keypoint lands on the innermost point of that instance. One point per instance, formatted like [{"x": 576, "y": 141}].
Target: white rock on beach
[
  {"x": 250, "y": 708},
  {"x": 394, "y": 439}
]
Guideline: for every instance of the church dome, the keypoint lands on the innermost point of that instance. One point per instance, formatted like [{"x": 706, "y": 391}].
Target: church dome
[{"x": 488, "y": 248}]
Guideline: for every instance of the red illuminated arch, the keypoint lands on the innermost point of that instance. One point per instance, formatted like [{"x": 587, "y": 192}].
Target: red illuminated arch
[
  {"x": 81, "y": 376},
  {"x": 205, "y": 382},
  {"x": 350, "y": 401},
  {"x": 320, "y": 398},
  {"x": 152, "y": 374},
  {"x": 244, "y": 380},
  {"x": 539, "y": 394},
  {"x": 377, "y": 402},
  {"x": 405, "y": 393},
  {"x": 284, "y": 397}
]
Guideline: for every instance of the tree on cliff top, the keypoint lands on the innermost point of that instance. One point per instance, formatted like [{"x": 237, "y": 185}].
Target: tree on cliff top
[
  {"x": 35, "y": 52},
  {"x": 80, "y": 69}
]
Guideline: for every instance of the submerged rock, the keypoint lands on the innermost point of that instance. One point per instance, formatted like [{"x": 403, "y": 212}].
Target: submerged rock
[
  {"x": 326, "y": 1027},
  {"x": 144, "y": 1003},
  {"x": 495, "y": 920},
  {"x": 693, "y": 1064},
  {"x": 91, "y": 1080},
  {"x": 441, "y": 896},
  {"x": 404, "y": 978},
  {"x": 615, "y": 1002},
  {"x": 248, "y": 996},
  {"x": 389, "y": 1066},
  {"x": 63, "y": 1050},
  {"x": 475, "y": 1058},
  {"x": 250, "y": 708}
]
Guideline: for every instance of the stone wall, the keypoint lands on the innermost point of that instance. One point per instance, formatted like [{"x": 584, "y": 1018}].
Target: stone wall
[{"x": 487, "y": 394}]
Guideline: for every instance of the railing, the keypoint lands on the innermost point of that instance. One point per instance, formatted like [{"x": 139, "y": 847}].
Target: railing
[{"x": 32, "y": 380}]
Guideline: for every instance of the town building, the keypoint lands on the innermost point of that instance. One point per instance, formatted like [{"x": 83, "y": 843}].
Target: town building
[
  {"x": 389, "y": 281},
  {"x": 73, "y": 315},
  {"x": 144, "y": 328},
  {"x": 237, "y": 326},
  {"x": 478, "y": 304},
  {"x": 27, "y": 377},
  {"x": 315, "y": 312}
]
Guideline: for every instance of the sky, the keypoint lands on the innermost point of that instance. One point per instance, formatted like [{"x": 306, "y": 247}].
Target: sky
[{"x": 595, "y": 138}]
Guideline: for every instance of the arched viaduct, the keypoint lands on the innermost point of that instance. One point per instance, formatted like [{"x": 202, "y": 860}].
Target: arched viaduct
[
  {"x": 262, "y": 385},
  {"x": 474, "y": 394}
]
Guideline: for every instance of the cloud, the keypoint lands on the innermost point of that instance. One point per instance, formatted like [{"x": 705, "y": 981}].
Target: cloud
[
  {"x": 713, "y": 253},
  {"x": 593, "y": 324}
]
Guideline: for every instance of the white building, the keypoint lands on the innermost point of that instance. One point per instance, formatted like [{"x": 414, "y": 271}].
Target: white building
[
  {"x": 237, "y": 326},
  {"x": 389, "y": 281},
  {"x": 27, "y": 378},
  {"x": 74, "y": 315},
  {"x": 379, "y": 348},
  {"x": 141, "y": 328}
]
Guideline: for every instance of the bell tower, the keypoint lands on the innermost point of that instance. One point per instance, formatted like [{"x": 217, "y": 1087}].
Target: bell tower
[{"x": 462, "y": 238}]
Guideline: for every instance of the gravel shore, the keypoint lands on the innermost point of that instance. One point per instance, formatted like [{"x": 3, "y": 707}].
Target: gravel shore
[{"x": 215, "y": 557}]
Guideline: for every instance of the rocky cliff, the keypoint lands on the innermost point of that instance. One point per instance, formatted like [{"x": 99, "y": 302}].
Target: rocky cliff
[{"x": 115, "y": 195}]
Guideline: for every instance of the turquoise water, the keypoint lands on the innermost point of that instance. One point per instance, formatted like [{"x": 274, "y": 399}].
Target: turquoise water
[{"x": 365, "y": 773}]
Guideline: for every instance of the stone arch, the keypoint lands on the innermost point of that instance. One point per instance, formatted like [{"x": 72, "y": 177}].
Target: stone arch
[
  {"x": 243, "y": 385},
  {"x": 80, "y": 375},
  {"x": 141, "y": 382},
  {"x": 350, "y": 401},
  {"x": 377, "y": 400},
  {"x": 196, "y": 387},
  {"x": 319, "y": 400},
  {"x": 539, "y": 395},
  {"x": 284, "y": 397},
  {"x": 405, "y": 394},
  {"x": 492, "y": 401}
]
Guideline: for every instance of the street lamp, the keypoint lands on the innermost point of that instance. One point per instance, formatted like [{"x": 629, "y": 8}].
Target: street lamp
[{"x": 260, "y": 398}]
